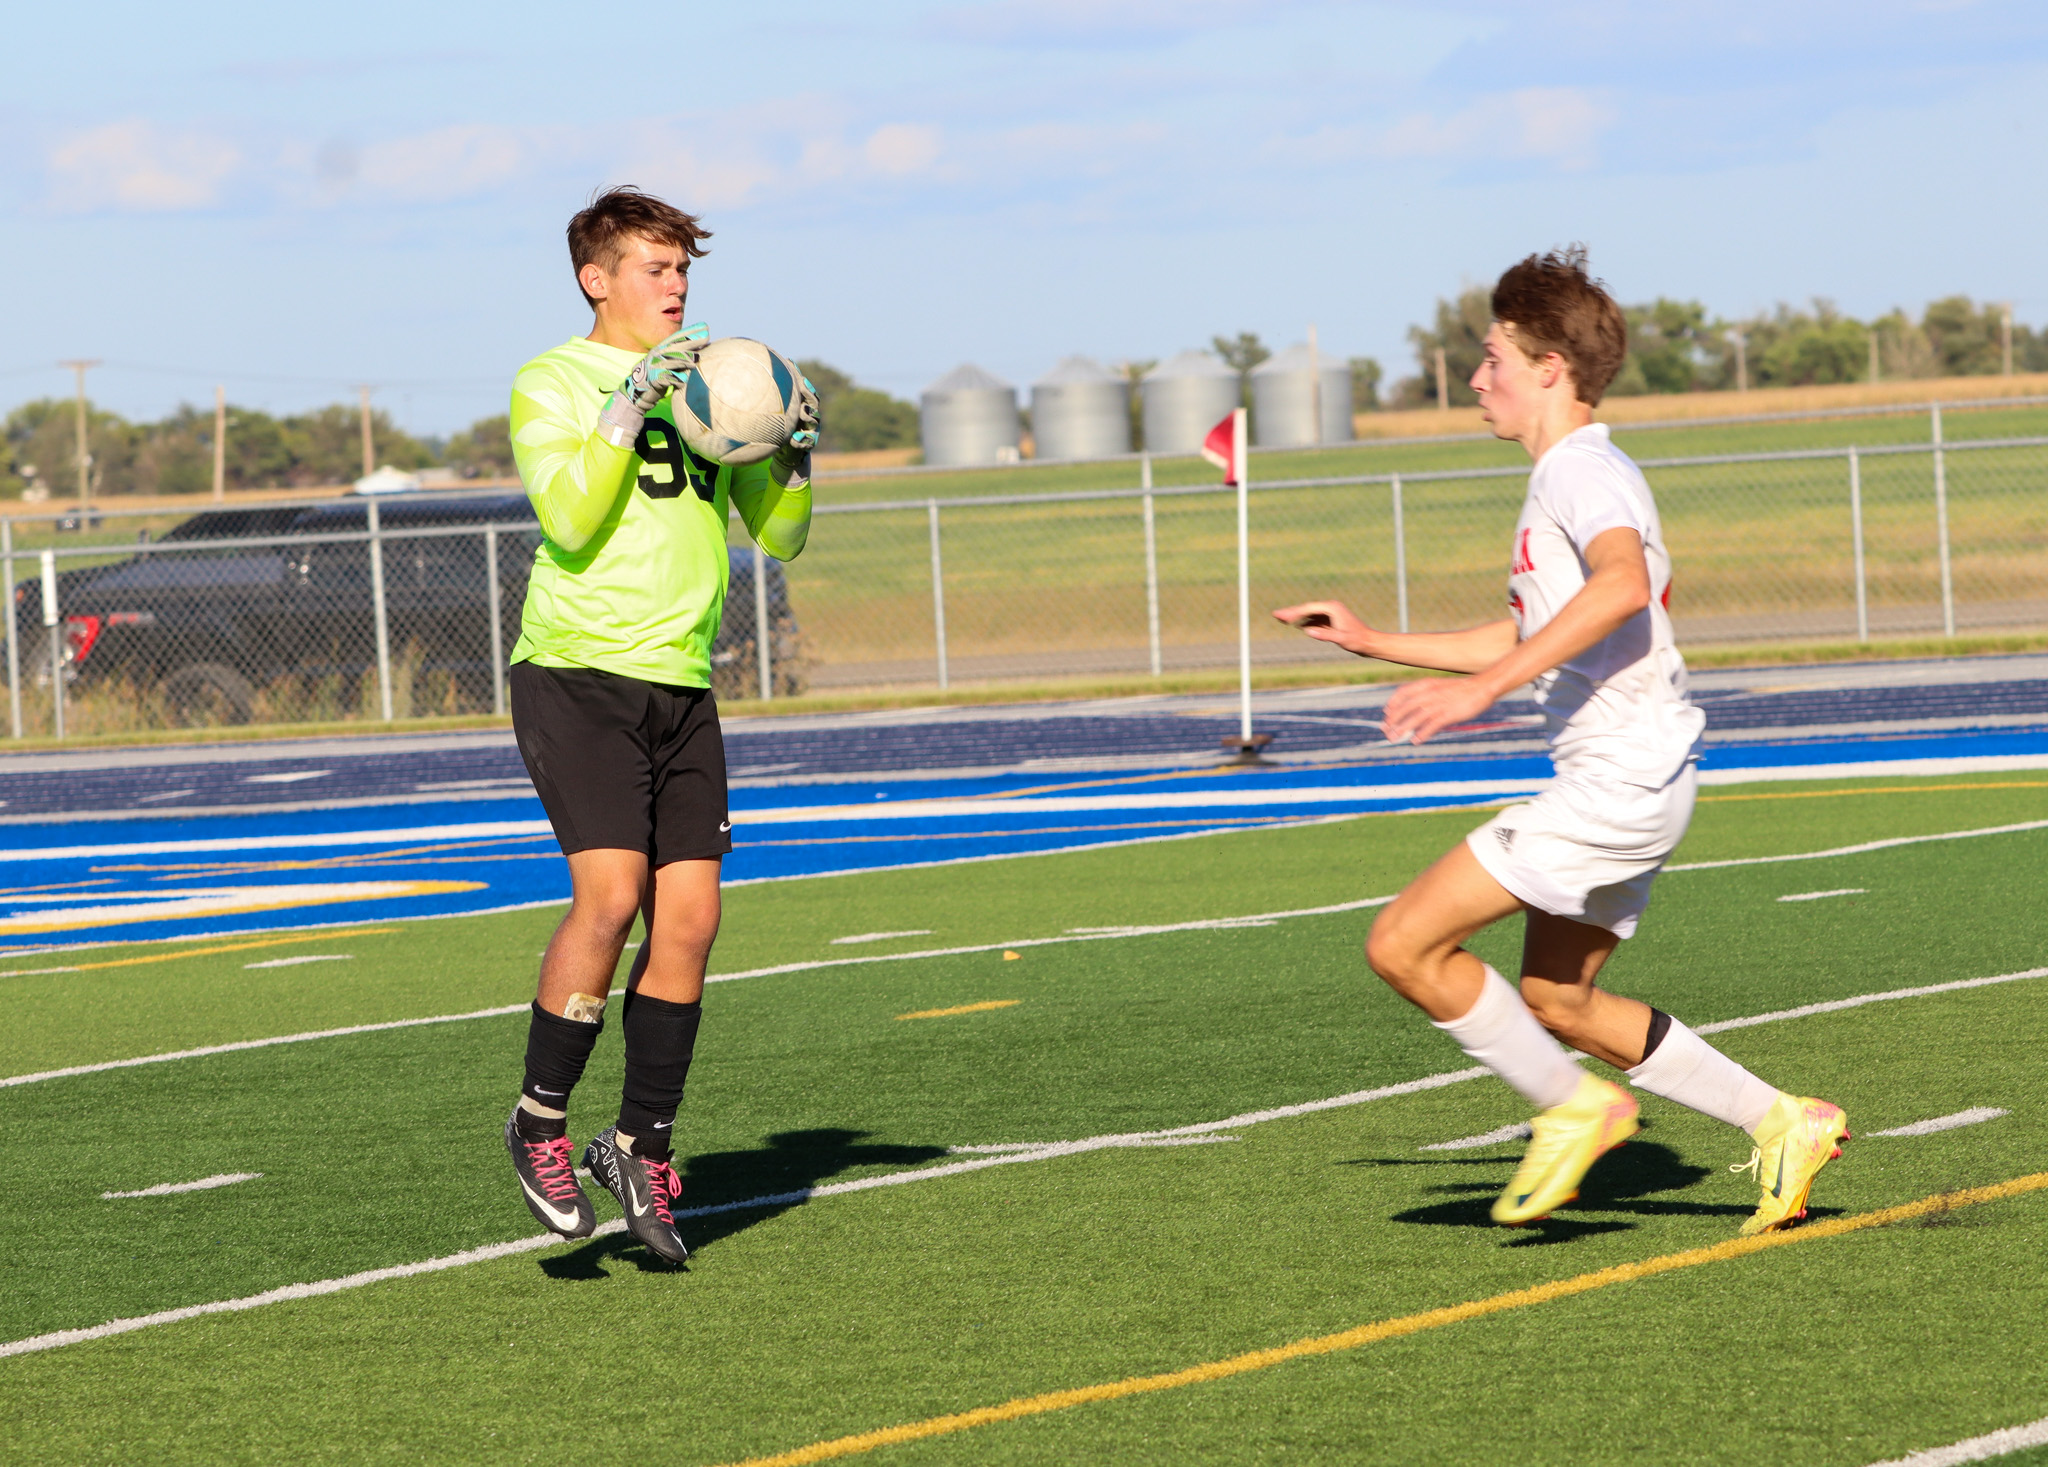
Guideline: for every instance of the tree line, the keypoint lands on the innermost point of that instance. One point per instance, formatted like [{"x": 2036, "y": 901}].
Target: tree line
[
  {"x": 1674, "y": 346},
  {"x": 174, "y": 455}
]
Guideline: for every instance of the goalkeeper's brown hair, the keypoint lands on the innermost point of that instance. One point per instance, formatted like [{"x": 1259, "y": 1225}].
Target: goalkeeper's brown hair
[
  {"x": 599, "y": 230},
  {"x": 1555, "y": 306}
]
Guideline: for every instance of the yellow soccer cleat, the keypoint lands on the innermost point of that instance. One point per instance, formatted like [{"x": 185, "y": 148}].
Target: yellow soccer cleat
[
  {"x": 1798, "y": 1137},
  {"x": 1567, "y": 1140}
]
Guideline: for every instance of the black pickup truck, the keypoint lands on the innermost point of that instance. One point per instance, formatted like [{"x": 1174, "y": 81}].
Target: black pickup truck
[{"x": 260, "y": 596}]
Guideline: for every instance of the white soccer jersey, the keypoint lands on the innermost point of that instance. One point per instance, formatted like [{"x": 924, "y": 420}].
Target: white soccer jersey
[{"x": 1621, "y": 704}]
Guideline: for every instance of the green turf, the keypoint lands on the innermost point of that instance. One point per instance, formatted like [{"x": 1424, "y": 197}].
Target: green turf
[{"x": 801, "y": 1322}]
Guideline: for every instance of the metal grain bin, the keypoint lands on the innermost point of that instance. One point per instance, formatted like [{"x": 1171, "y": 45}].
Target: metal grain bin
[
  {"x": 969, "y": 416},
  {"x": 1185, "y": 396},
  {"x": 1284, "y": 400},
  {"x": 1081, "y": 409}
]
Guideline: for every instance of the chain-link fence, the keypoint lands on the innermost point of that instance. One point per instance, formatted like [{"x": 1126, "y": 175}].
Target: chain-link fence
[{"x": 408, "y": 607}]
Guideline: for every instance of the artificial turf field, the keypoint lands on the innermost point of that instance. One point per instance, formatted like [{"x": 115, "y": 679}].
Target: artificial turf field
[{"x": 804, "y": 1322}]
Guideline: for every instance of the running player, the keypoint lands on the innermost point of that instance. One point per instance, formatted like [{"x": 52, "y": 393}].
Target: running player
[
  {"x": 1588, "y": 587},
  {"x": 611, "y": 699}
]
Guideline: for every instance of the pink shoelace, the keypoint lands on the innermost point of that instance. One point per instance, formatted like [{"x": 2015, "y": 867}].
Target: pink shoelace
[
  {"x": 554, "y": 1167},
  {"x": 664, "y": 1183}
]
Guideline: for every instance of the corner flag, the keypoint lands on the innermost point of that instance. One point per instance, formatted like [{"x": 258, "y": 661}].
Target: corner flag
[{"x": 1224, "y": 443}]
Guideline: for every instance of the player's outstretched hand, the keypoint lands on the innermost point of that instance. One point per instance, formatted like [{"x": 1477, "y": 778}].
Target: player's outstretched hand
[
  {"x": 1328, "y": 621},
  {"x": 652, "y": 379},
  {"x": 1418, "y": 711},
  {"x": 792, "y": 462}
]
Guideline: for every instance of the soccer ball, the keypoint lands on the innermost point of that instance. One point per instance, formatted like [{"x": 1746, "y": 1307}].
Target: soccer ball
[{"x": 740, "y": 402}]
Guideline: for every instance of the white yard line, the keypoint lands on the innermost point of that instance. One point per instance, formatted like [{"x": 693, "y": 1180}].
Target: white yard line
[
  {"x": 1974, "y": 1116},
  {"x": 1977, "y": 1448},
  {"x": 1500, "y": 1135},
  {"x": 1815, "y": 896},
  {"x": 1835, "y": 1006},
  {"x": 304, "y": 958},
  {"x": 204, "y": 1184},
  {"x": 1874, "y": 845},
  {"x": 1177, "y": 1135}
]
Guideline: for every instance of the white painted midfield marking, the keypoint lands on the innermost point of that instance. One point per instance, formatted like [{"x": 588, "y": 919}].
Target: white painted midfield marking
[
  {"x": 304, "y": 958},
  {"x": 1974, "y": 1116},
  {"x": 1814, "y": 896},
  {"x": 1874, "y": 845},
  {"x": 880, "y": 936},
  {"x": 1519, "y": 1131},
  {"x": 1977, "y": 1448},
  {"x": 204, "y": 1184},
  {"x": 1196, "y": 1135}
]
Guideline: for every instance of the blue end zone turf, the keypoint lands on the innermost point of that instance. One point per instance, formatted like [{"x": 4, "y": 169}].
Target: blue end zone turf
[{"x": 89, "y": 882}]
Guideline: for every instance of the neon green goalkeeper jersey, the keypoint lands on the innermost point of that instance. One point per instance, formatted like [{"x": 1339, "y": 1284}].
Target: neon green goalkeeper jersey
[{"x": 631, "y": 576}]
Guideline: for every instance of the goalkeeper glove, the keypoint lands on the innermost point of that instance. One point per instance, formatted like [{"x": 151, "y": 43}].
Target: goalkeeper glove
[
  {"x": 791, "y": 466},
  {"x": 651, "y": 379}
]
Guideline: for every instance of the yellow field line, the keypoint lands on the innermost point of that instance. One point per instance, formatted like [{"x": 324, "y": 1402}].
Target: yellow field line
[
  {"x": 1389, "y": 1329},
  {"x": 965, "y": 1008},
  {"x": 1904, "y": 789},
  {"x": 202, "y": 952}
]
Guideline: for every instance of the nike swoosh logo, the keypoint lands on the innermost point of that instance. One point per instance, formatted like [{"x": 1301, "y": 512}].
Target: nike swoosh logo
[
  {"x": 663, "y": 1125},
  {"x": 633, "y": 1204},
  {"x": 724, "y": 826},
  {"x": 563, "y": 1219}
]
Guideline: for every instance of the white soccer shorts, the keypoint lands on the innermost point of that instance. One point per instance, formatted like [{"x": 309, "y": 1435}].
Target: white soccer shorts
[{"x": 1588, "y": 847}]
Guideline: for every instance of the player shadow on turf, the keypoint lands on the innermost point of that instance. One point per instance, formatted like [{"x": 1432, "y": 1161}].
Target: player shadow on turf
[
  {"x": 1626, "y": 1180},
  {"x": 773, "y": 1178}
]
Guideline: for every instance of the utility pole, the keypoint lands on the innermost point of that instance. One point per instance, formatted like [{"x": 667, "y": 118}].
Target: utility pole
[
  {"x": 84, "y": 452},
  {"x": 220, "y": 444},
  {"x": 2005, "y": 338},
  {"x": 369, "y": 444},
  {"x": 1873, "y": 353},
  {"x": 1443, "y": 384},
  {"x": 1741, "y": 362}
]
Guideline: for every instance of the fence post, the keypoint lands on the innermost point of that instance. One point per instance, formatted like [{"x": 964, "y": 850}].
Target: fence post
[
  {"x": 13, "y": 632},
  {"x": 54, "y": 627},
  {"x": 497, "y": 621},
  {"x": 1948, "y": 590},
  {"x": 762, "y": 656},
  {"x": 378, "y": 613},
  {"x": 938, "y": 594},
  {"x": 1151, "y": 566},
  {"x": 1400, "y": 558},
  {"x": 1856, "y": 531}
]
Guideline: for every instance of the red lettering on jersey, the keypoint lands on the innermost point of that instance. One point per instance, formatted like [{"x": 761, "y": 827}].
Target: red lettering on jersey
[
  {"x": 1515, "y": 603},
  {"x": 1665, "y": 599},
  {"x": 1522, "y": 564}
]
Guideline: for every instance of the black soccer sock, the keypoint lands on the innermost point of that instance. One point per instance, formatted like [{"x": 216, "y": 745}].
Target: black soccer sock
[
  {"x": 1660, "y": 1025},
  {"x": 660, "y": 1038},
  {"x": 557, "y": 1049}
]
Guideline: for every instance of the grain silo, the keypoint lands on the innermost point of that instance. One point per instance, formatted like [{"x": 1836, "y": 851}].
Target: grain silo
[
  {"x": 1284, "y": 397},
  {"x": 1081, "y": 409},
  {"x": 1185, "y": 396},
  {"x": 969, "y": 416}
]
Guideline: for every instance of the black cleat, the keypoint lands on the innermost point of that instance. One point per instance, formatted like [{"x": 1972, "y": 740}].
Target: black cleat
[
  {"x": 644, "y": 1189},
  {"x": 547, "y": 1179}
]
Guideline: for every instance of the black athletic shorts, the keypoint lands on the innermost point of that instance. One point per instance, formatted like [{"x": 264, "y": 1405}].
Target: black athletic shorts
[{"x": 621, "y": 764}]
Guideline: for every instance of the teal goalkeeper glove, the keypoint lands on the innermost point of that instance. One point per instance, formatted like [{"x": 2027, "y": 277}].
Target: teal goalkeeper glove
[
  {"x": 651, "y": 379},
  {"x": 791, "y": 466}
]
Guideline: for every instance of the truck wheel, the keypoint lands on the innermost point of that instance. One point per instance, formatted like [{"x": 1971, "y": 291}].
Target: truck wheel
[{"x": 207, "y": 693}]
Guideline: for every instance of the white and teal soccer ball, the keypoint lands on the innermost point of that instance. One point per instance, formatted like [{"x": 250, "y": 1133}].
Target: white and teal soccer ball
[{"x": 740, "y": 403}]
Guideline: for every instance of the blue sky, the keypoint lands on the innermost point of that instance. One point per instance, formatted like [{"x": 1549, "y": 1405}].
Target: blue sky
[{"x": 293, "y": 200}]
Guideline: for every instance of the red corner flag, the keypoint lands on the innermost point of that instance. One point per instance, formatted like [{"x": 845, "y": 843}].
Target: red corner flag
[{"x": 1220, "y": 447}]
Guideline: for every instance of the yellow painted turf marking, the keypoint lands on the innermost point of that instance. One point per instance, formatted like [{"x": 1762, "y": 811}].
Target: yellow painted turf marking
[
  {"x": 965, "y": 1008},
  {"x": 1896, "y": 789},
  {"x": 202, "y": 952},
  {"x": 1389, "y": 1329}
]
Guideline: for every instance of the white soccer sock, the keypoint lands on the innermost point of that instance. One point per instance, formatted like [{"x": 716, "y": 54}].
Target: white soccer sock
[
  {"x": 1687, "y": 1069},
  {"x": 1503, "y": 1035}
]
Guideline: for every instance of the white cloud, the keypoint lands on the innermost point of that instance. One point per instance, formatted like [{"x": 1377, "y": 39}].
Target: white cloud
[
  {"x": 1559, "y": 125},
  {"x": 447, "y": 163},
  {"x": 139, "y": 167},
  {"x": 900, "y": 148}
]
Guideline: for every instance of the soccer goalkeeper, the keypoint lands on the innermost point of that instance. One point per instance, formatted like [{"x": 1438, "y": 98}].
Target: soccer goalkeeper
[{"x": 611, "y": 699}]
